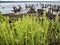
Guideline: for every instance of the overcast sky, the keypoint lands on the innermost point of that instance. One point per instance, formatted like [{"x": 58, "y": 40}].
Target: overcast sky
[{"x": 29, "y": 0}]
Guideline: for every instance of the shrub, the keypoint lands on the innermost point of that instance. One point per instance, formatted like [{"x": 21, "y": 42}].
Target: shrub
[{"x": 29, "y": 31}]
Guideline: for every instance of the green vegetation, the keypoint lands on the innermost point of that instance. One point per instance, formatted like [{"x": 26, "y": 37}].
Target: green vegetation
[{"x": 29, "y": 30}]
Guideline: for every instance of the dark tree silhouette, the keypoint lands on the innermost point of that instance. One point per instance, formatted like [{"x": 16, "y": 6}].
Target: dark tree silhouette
[
  {"x": 31, "y": 10},
  {"x": 26, "y": 6},
  {"x": 16, "y": 10}
]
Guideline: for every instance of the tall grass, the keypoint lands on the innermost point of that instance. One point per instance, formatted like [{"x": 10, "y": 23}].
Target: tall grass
[{"x": 29, "y": 31}]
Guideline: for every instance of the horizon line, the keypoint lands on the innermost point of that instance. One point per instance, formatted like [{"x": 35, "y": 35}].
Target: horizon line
[{"x": 27, "y": 1}]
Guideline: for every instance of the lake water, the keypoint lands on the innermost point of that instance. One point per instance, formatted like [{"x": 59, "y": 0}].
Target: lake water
[{"x": 6, "y": 8}]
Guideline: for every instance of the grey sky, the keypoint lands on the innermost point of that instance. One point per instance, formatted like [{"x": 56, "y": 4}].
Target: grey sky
[{"x": 29, "y": 0}]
